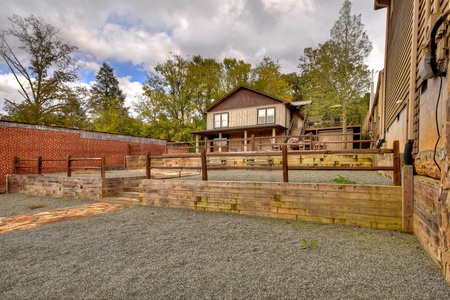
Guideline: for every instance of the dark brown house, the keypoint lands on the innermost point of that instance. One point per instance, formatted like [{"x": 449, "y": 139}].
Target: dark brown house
[{"x": 243, "y": 113}]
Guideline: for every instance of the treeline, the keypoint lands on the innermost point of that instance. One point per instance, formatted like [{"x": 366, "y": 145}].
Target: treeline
[{"x": 178, "y": 90}]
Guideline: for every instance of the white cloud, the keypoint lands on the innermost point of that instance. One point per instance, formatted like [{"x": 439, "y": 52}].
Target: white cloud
[
  {"x": 145, "y": 32},
  {"x": 8, "y": 89},
  {"x": 131, "y": 89}
]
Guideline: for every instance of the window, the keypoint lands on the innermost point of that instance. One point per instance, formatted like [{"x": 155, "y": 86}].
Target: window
[
  {"x": 266, "y": 115},
  {"x": 221, "y": 120}
]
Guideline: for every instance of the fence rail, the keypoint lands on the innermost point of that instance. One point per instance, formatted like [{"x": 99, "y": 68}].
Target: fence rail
[
  {"x": 300, "y": 142},
  {"x": 284, "y": 153},
  {"x": 20, "y": 163}
]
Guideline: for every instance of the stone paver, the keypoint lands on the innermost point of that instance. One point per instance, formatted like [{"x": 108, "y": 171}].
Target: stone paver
[{"x": 27, "y": 221}]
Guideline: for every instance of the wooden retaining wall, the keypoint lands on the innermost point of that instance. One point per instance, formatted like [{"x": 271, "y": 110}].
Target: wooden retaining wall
[
  {"x": 59, "y": 187},
  {"x": 358, "y": 205},
  {"x": 431, "y": 220}
]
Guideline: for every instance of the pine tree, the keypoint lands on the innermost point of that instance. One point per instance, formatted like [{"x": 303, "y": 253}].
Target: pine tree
[
  {"x": 105, "y": 93},
  {"x": 335, "y": 76},
  {"x": 107, "y": 103}
]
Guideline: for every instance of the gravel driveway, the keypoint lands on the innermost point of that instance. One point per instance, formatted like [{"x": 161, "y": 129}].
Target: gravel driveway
[{"x": 162, "y": 253}]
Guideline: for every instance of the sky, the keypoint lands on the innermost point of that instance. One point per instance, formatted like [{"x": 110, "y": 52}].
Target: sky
[{"x": 134, "y": 36}]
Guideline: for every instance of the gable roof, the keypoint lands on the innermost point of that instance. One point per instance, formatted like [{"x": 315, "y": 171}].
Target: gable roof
[{"x": 244, "y": 88}]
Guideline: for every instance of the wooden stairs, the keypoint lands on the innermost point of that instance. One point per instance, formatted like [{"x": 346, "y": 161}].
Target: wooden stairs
[{"x": 124, "y": 191}]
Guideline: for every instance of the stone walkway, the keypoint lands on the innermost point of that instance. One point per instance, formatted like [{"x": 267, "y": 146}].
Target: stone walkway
[{"x": 27, "y": 221}]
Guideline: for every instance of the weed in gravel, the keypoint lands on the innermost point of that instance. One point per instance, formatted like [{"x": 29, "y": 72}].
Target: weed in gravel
[
  {"x": 342, "y": 180},
  {"x": 306, "y": 245}
]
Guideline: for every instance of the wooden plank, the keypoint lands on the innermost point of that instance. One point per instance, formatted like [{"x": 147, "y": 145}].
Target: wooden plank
[
  {"x": 407, "y": 199},
  {"x": 285, "y": 164}
]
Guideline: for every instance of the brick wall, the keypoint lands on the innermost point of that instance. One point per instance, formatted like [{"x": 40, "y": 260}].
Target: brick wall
[{"x": 30, "y": 141}]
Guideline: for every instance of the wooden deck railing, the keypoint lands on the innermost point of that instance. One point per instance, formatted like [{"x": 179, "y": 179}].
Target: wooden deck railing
[
  {"x": 284, "y": 154},
  {"x": 252, "y": 143},
  {"x": 66, "y": 164}
]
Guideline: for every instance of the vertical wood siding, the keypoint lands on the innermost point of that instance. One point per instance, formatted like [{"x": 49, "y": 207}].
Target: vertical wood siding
[
  {"x": 248, "y": 116},
  {"x": 398, "y": 59}
]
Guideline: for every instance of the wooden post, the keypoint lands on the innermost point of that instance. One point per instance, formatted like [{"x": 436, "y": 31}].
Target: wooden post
[
  {"x": 204, "y": 167},
  {"x": 397, "y": 180},
  {"x": 407, "y": 199},
  {"x": 206, "y": 144},
  {"x": 16, "y": 164},
  {"x": 69, "y": 166},
  {"x": 285, "y": 164},
  {"x": 252, "y": 142},
  {"x": 196, "y": 143},
  {"x": 103, "y": 167},
  {"x": 39, "y": 165},
  {"x": 148, "y": 166},
  {"x": 245, "y": 141}
]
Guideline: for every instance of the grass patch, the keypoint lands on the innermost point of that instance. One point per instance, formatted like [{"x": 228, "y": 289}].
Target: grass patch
[
  {"x": 342, "y": 180},
  {"x": 36, "y": 206}
]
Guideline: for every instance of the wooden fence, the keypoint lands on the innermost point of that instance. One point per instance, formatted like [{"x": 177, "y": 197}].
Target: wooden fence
[
  {"x": 40, "y": 165},
  {"x": 310, "y": 141},
  {"x": 205, "y": 161}
]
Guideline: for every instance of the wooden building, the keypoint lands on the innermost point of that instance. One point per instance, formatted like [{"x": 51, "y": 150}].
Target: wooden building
[
  {"x": 243, "y": 113},
  {"x": 412, "y": 105}
]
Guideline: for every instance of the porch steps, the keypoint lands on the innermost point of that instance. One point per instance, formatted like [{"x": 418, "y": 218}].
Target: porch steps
[{"x": 295, "y": 132}]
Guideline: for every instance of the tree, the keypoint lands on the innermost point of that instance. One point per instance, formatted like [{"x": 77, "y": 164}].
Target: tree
[
  {"x": 105, "y": 92},
  {"x": 204, "y": 82},
  {"x": 337, "y": 69},
  {"x": 179, "y": 90},
  {"x": 237, "y": 73},
  {"x": 43, "y": 67},
  {"x": 267, "y": 78},
  {"x": 166, "y": 105},
  {"x": 107, "y": 104}
]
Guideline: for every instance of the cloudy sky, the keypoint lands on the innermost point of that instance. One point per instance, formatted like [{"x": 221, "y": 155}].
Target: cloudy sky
[{"x": 135, "y": 35}]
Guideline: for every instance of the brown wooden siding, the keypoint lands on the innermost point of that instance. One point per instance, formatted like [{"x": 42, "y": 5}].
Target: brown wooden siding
[
  {"x": 398, "y": 59},
  {"x": 248, "y": 116},
  {"x": 244, "y": 99}
]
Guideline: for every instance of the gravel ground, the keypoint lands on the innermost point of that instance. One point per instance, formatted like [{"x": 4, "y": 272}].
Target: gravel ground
[
  {"x": 11, "y": 205},
  {"x": 360, "y": 177},
  {"x": 162, "y": 253}
]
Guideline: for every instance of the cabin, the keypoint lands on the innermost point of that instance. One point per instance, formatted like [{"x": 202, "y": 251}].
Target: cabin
[{"x": 245, "y": 113}]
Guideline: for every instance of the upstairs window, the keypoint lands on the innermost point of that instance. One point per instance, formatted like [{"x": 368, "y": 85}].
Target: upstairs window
[
  {"x": 266, "y": 115},
  {"x": 221, "y": 120}
]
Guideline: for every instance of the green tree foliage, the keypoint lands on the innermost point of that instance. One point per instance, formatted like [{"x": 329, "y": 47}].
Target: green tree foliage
[
  {"x": 105, "y": 92},
  {"x": 335, "y": 75},
  {"x": 204, "y": 81},
  {"x": 179, "y": 90},
  {"x": 237, "y": 73},
  {"x": 267, "y": 78},
  {"x": 167, "y": 106},
  {"x": 107, "y": 105},
  {"x": 43, "y": 66}
]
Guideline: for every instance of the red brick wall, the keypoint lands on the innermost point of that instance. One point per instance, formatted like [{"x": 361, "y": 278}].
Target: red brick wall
[{"x": 30, "y": 141}]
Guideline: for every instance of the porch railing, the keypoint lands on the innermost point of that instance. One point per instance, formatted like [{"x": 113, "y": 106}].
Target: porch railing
[{"x": 308, "y": 141}]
